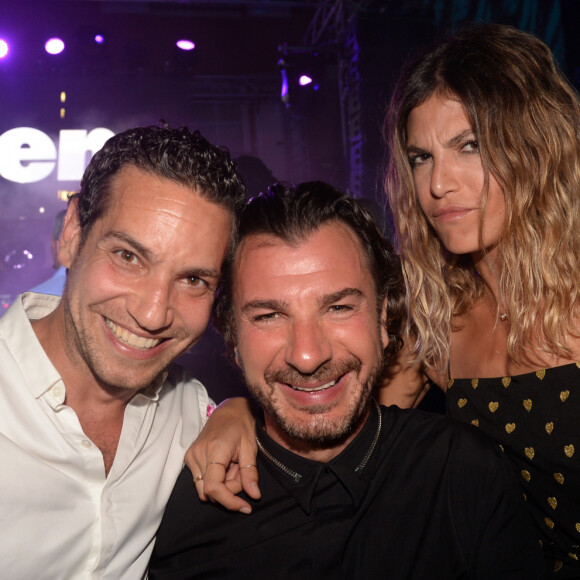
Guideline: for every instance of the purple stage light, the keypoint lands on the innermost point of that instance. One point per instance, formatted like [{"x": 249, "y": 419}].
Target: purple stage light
[
  {"x": 3, "y": 48},
  {"x": 54, "y": 46},
  {"x": 304, "y": 80},
  {"x": 99, "y": 38},
  {"x": 185, "y": 44}
]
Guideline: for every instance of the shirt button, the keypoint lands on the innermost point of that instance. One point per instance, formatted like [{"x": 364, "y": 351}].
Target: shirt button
[
  {"x": 58, "y": 392},
  {"x": 86, "y": 443}
]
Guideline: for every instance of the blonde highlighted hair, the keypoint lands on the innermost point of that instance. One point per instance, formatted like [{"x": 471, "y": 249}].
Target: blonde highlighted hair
[{"x": 526, "y": 118}]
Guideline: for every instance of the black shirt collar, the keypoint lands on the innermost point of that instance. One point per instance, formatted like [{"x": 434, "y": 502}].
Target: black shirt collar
[{"x": 299, "y": 476}]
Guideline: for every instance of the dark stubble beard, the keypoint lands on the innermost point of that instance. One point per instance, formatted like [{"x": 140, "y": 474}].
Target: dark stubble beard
[
  {"x": 84, "y": 347},
  {"x": 320, "y": 431}
]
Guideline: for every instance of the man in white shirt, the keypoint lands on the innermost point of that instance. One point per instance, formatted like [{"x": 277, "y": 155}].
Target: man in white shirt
[{"x": 94, "y": 421}]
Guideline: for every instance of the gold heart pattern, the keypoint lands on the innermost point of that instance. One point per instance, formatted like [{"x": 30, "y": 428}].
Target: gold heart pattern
[
  {"x": 556, "y": 503},
  {"x": 558, "y": 565}
]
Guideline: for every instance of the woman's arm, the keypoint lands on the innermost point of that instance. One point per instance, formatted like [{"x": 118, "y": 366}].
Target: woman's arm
[{"x": 403, "y": 384}]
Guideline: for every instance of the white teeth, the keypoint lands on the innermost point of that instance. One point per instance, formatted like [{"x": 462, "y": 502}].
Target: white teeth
[
  {"x": 139, "y": 342},
  {"x": 321, "y": 388}
]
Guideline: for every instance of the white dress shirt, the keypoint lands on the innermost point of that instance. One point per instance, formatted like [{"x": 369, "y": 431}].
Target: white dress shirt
[{"x": 60, "y": 516}]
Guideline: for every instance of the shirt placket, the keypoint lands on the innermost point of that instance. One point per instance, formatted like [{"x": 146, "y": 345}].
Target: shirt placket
[{"x": 90, "y": 464}]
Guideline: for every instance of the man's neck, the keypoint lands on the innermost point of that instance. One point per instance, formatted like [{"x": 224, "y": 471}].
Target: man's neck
[
  {"x": 314, "y": 451},
  {"x": 100, "y": 412}
]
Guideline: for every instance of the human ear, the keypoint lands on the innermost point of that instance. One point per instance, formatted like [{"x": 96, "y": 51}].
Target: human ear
[
  {"x": 70, "y": 237},
  {"x": 237, "y": 356}
]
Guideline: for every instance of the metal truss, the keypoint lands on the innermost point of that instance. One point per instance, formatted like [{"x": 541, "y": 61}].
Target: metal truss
[{"x": 334, "y": 23}]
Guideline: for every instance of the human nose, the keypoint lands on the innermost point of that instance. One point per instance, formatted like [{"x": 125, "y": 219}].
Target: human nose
[
  {"x": 443, "y": 178},
  {"x": 308, "y": 347},
  {"x": 150, "y": 304}
]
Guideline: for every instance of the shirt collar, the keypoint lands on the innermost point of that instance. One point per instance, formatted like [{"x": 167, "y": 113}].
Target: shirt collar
[
  {"x": 38, "y": 369},
  {"x": 299, "y": 475},
  {"x": 152, "y": 391}
]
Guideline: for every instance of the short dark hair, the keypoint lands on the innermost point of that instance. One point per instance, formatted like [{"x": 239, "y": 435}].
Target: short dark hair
[
  {"x": 180, "y": 155},
  {"x": 294, "y": 212}
]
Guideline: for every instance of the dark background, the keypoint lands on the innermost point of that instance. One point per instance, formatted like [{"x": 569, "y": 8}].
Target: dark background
[{"x": 229, "y": 88}]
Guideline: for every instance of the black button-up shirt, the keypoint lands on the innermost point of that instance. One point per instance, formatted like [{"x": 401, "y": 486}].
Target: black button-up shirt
[{"x": 414, "y": 496}]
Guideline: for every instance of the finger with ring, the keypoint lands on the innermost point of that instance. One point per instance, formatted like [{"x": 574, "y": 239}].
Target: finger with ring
[
  {"x": 216, "y": 463},
  {"x": 251, "y": 465},
  {"x": 198, "y": 478}
]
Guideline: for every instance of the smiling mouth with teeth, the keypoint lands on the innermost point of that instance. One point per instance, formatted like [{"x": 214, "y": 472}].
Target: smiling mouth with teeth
[
  {"x": 314, "y": 389},
  {"x": 130, "y": 339}
]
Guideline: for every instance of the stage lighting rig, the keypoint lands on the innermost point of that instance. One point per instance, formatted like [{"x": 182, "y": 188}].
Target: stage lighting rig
[{"x": 302, "y": 71}]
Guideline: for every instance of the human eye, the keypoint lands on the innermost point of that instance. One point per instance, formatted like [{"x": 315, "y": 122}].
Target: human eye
[
  {"x": 198, "y": 286},
  {"x": 340, "y": 309},
  {"x": 196, "y": 282},
  {"x": 127, "y": 256},
  {"x": 470, "y": 146},
  {"x": 265, "y": 317},
  {"x": 419, "y": 159}
]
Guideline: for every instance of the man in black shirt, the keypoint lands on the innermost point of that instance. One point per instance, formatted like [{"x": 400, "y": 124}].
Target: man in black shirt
[{"x": 311, "y": 307}]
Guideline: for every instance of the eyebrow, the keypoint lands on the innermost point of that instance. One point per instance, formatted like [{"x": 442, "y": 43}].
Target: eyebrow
[
  {"x": 282, "y": 305},
  {"x": 130, "y": 241},
  {"x": 264, "y": 305},
  {"x": 460, "y": 138},
  {"x": 148, "y": 255},
  {"x": 453, "y": 142},
  {"x": 340, "y": 295}
]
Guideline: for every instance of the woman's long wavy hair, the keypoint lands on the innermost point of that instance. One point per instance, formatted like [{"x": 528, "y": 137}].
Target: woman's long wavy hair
[{"x": 526, "y": 118}]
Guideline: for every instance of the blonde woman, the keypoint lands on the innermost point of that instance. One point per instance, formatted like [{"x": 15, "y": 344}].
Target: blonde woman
[{"x": 484, "y": 185}]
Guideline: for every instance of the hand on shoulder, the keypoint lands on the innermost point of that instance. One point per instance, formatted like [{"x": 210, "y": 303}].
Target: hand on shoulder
[{"x": 223, "y": 457}]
